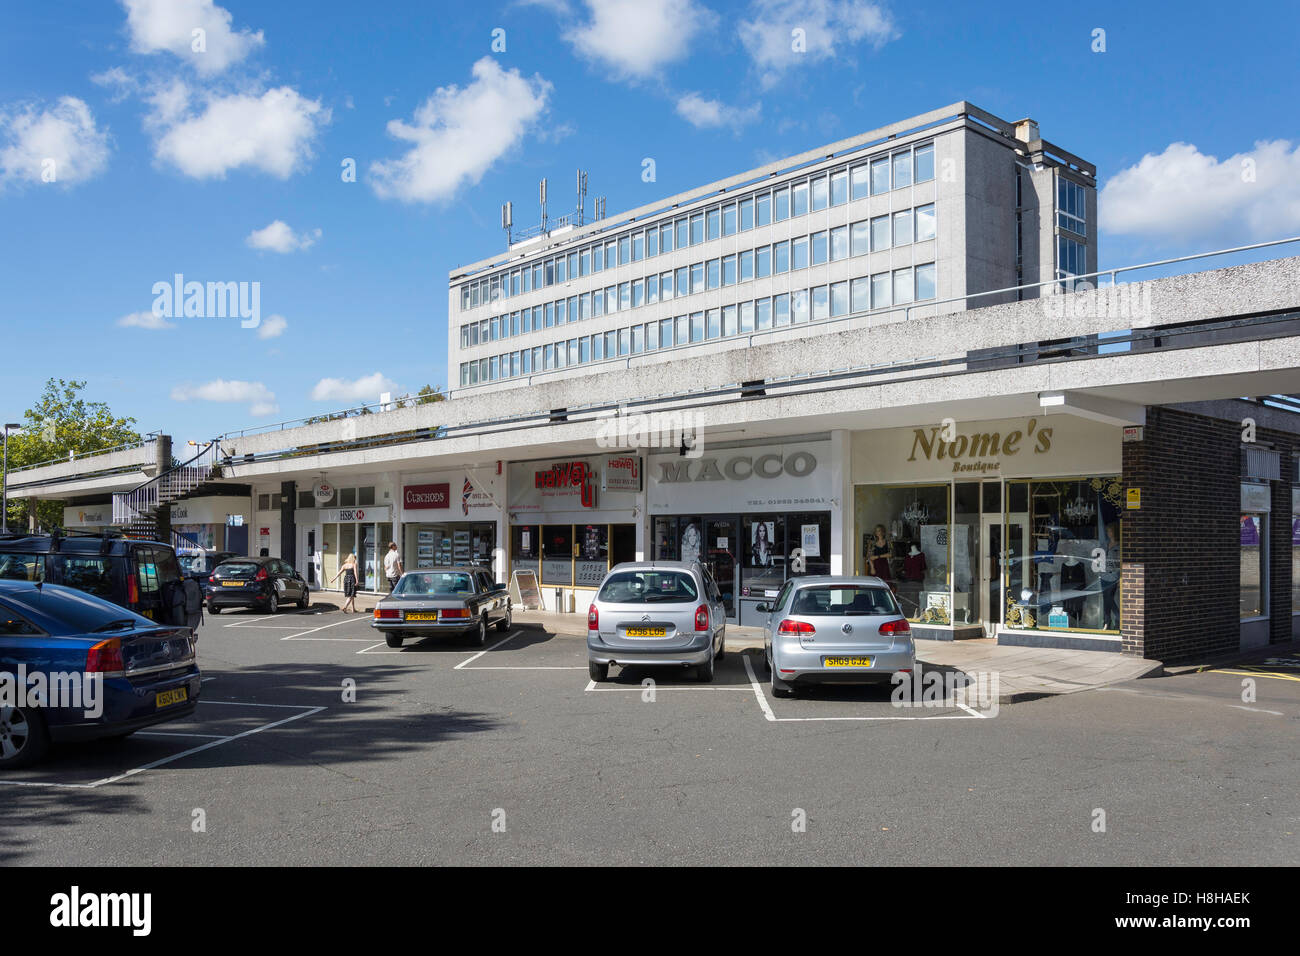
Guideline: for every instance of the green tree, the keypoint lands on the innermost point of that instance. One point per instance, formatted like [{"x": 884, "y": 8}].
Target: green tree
[
  {"x": 429, "y": 394},
  {"x": 61, "y": 424}
]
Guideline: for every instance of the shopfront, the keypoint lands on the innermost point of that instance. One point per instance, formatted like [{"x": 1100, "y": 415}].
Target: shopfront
[
  {"x": 211, "y": 523},
  {"x": 88, "y": 518},
  {"x": 1010, "y": 528},
  {"x": 572, "y": 520},
  {"x": 753, "y": 514},
  {"x": 451, "y": 517},
  {"x": 338, "y": 532}
]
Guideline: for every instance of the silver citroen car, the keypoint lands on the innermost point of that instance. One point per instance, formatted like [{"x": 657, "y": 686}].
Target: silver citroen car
[
  {"x": 656, "y": 612},
  {"x": 828, "y": 629},
  {"x": 457, "y": 600}
]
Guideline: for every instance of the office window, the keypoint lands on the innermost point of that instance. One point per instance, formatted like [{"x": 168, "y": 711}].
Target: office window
[
  {"x": 925, "y": 287},
  {"x": 597, "y": 348},
  {"x": 762, "y": 209},
  {"x": 1071, "y": 259},
  {"x": 799, "y": 199},
  {"x": 747, "y": 325},
  {"x": 549, "y": 357},
  {"x": 880, "y": 175},
  {"x": 763, "y": 260},
  {"x": 597, "y": 304},
  {"x": 821, "y": 303},
  {"x": 611, "y": 344},
  {"x": 880, "y": 290},
  {"x": 902, "y": 286},
  {"x": 666, "y": 237},
  {"x": 559, "y": 355},
  {"x": 638, "y": 246},
  {"x": 839, "y": 243},
  {"x": 697, "y": 326},
  {"x": 860, "y": 181},
  {"x": 799, "y": 253},
  {"x": 819, "y": 244},
  {"x": 821, "y": 196},
  {"x": 683, "y": 281},
  {"x": 651, "y": 242},
  {"x": 697, "y": 229},
  {"x": 860, "y": 294},
  {"x": 514, "y": 363},
  {"x": 584, "y": 306},
  {"x": 625, "y": 295},
  {"x": 839, "y": 187},
  {"x": 746, "y": 214},
  {"x": 638, "y": 293},
  {"x": 728, "y": 320},
  {"x": 799, "y": 306},
  {"x": 611, "y": 299},
  {"x": 651, "y": 290},
  {"x": 763, "y": 313},
  {"x": 611, "y": 254},
  {"x": 903, "y": 169},
  {"x": 666, "y": 285},
  {"x": 559, "y": 269},
  {"x": 638, "y": 339},
  {"x": 666, "y": 333},
  {"x": 597, "y": 258},
  {"x": 537, "y": 359},
  {"x": 651, "y": 336},
  {"x": 747, "y": 265},
  {"x": 712, "y": 221},
  {"x": 729, "y": 219},
  {"x": 683, "y": 239},
  {"x": 514, "y": 282},
  {"x": 1071, "y": 208},
  {"x": 697, "y": 277},
  {"x": 683, "y": 329},
  {"x": 473, "y": 373},
  {"x": 464, "y": 373},
  {"x": 781, "y": 204},
  {"x": 879, "y": 233},
  {"x": 729, "y": 270},
  {"x": 925, "y": 163},
  {"x": 781, "y": 309},
  {"x": 713, "y": 324},
  {"x": 624, "y": 342},
  {"x": 715, "y": 273},
  {"x": 925, "y": 222},
  {"x": 903, "y": 227},
  {"x": 860, "y": 238},
  {"x": 839, "y": 299},
  {"x": 584, "y": 350}
]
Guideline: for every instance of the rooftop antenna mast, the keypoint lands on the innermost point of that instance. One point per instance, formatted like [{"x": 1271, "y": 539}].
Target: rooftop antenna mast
[
  {"x": 541, "y": 197},
  {"x": 582, "y": 197},
  {"x": 507, "y": 222},
  {"x": 600, "y": 208}
]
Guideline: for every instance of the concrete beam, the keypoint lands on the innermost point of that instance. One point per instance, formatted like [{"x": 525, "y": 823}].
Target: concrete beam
[{"x": 1093, "y": 407}]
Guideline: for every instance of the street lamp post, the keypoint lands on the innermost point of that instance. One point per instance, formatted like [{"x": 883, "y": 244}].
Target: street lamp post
[{"x": 4, "y": 482}]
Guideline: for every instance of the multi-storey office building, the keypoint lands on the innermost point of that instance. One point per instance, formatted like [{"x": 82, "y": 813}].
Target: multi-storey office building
[{"x": 933, "y": 208}]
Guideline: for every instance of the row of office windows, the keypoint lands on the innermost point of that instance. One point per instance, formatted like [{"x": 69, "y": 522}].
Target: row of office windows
[
  {"x": 837, "y": 299},
  {"x": 829, "y": 245},
  {"x": 871, "y": 177},
  {"x": 1071, "y": 206}
]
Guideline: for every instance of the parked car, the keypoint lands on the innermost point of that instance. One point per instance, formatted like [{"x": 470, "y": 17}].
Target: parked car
[
  {"x": 656, "y": 612},
  {"x": 149, "y": 672},
  {"x": 265, "y": 583},
  {"x": 453, "y": 600},
  {"x": 199, "y": 565},
  {"x": 141, "y": 576},
  {"x": 824, "y": 629}
]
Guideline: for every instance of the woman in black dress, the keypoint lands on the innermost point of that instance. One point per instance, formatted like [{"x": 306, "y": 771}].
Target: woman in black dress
[{"x": 349, "y": 574}]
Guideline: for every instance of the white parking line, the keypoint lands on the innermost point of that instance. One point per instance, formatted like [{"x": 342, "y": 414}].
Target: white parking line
[
  {"x": 313, "y": 630},
  {"x": 1258, "y": 710},
  {"x": 591, "y": 688},
  {"x": 462, "y": 664}
]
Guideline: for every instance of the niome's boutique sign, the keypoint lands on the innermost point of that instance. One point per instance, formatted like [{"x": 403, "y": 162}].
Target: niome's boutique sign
[
  {"x": 758, "y": 478},
  {"x": 1037, "y": 447}
]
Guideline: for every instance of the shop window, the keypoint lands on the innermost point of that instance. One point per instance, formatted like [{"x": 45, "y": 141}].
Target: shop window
[
  {"x": 347, "y": 497},
  {"x": 1254, "y": 566},
  {"x": 306, "y": 499},
  {"x": 907, "y": 541},
  {"x": 1295, "y": 563},
  {"x": 966, "y": 501},
  {"x": 365, "y": 497},
  {"x": 665, "y": 539},
  {"x": 525, "y": 548},
  {"x": 622, "y": 543},
  {"x": 557, "y": 554},
  {"x": 763, "y": 555},
  {"x": 263, "y": 502},
  {"x": 592, "y": 558},
  {"x": 811, "y": 535}
]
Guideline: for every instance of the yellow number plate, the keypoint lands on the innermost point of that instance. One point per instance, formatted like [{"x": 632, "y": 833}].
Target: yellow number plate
[
  {"x": 846, "y": 661},
  {"x": 232, "y": 584},
  {"x": 645, "y": 632},
  {"x": 417, "y": 616},
  {"x": 168, "y": 697}
]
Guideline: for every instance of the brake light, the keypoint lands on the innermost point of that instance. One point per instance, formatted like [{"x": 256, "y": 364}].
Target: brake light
[
  {"x": 105, "y": 658},
  {"x": 387, "y": 614},
  {"x": 702, "y": 618},
  {"x": 899, "y": 628},
  {"x": 454, "y": 612},
  {"x": 132, "y": 590},
  {"x": 593, "y": 619},
  {"x": 212, "y": 579},
  {"x": 260, "y": 575},
  {"x": 795, "y": 627}
]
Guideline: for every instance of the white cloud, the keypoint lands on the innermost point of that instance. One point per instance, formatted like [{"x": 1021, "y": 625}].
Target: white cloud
[
  {"x": 458, "y": 133},
  {"x": 60, "y": 145},
  {"x": 273, "y": 132},
  {"x": 368, "y": 387},
  {"x": 121, "y": 83},
  {"x": 260, "y": 398},
  {"x": 704, "y": 113},
  {"x": 768, "y": 34},
  {"x": 278, "y": 237},
  {"x": 272, "y": 326},
  {"x": 1184, "y": 194},
  {"x": 145, "y": 320},
  {"x": 171, "y": 25},
  {"x": 636, "y": 38}
]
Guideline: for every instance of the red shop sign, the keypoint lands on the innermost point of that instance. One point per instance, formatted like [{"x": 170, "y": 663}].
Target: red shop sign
[{"x": 417, "y": 497}]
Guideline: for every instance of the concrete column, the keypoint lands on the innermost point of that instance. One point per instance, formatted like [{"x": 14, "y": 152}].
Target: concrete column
[
  {"x": 288, "y": 530},
  {"x": 31, "y": 515}
]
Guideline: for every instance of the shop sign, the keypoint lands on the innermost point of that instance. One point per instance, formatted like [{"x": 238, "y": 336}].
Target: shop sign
[
  {"x": 941, "y": 442},
  {"x": 621, "y": 473},
  {"x": 1132, "y": 433},
  {"x": 567, "y": 478},
  {"x": 322, "y": 491},
  {"x": 425, "y": 497},
  {"x": 354, "y": 514},
  {"x": 79, "y": 517},
  {"x": 1256, "y": 498},
  {"x": 738, "y": 468},
  {"x": 1134, "y": 501}
]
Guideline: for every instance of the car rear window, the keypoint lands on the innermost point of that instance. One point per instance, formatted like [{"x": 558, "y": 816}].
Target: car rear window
[
  {"x": 844, "y": 601},
  {"x": 237, "y": 570},
  {"x": 648, "y": 587},
  {"x": 77, "y": 611},
  {"x": 435, "y": 583},
  {"x": 94, "y": 575}
]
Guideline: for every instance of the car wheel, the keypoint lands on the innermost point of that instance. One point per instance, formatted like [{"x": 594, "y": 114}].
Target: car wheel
[
  {"x": 273, "y": 605},
  {"x": 599, "y": 672},
  {"x": 779, "y": 687},
  {"x": 213, "y": 609},
  {"x": 704, "y": 672},
  {"x": 394, "y": 640},
  {"x": 23, "y": 737},
  {"x": 306, "y": 600},
  {"x": 504, "y": 623},
  {"x": 480, "y": 639}
]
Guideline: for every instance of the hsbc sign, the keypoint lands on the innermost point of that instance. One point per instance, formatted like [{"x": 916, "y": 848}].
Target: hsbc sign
[{"x": 422, "y": 497}]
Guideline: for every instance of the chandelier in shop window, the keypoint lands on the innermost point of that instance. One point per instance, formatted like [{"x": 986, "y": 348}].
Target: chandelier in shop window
[
  {"x": 916, "y": 513},
  {"x": 1080, "y": 510}
]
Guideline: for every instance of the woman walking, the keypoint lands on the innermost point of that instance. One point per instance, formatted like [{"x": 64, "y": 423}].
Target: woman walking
[{"x": 349, "y": 574}]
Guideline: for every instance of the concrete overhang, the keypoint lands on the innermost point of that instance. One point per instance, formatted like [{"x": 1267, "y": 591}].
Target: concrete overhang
[{"x": 1094, "y": 407}]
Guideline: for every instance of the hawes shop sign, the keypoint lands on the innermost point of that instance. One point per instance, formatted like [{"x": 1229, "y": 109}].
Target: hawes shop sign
[
  {"x": 973, "y": 452},
  {"x": 567, "y": 477}
]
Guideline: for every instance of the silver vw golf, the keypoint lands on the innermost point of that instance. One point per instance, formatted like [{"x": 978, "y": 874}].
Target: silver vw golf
[
  {"x": 827, "y": 629},
  {"x": 656, "y": 612}
]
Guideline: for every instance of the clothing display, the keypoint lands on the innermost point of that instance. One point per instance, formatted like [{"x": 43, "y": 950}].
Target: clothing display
[
  {"x": 914, "y": 567},
  {"x": 1073, "y": 581}
]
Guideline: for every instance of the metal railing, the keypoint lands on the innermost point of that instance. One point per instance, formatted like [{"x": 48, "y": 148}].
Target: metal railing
[
  {"x": 143, "y": 501},
  {"x": 148, "y": 439}
]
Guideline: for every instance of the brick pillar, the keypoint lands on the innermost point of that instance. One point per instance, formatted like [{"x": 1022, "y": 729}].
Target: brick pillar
[
  {"x": 288, "y": 531},
  {"x": 1279, "y": 563}
]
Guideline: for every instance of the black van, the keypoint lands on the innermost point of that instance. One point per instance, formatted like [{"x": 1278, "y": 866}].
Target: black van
[{"x": 140, "y": 575}]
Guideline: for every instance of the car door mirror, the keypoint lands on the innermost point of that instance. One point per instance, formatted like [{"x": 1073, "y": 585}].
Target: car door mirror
[{"x": 763, "y": 609}]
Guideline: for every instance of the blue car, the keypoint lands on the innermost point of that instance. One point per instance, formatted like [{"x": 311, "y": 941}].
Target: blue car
[{"x": 76, "y": 667}]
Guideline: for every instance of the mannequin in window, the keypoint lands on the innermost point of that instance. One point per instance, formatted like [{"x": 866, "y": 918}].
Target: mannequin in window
[
  {"x": 1072, "y": 584},
  {"x": 914, "y": 565},
  {"x": 878, "y": 553}
]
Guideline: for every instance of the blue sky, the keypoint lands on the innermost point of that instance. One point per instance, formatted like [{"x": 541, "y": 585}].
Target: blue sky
[{"x": 225, "y": 163}]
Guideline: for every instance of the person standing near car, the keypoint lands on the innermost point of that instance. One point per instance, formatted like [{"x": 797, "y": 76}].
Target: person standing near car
[
  {"x": 349, "y": 574},
  {"x": 392, "y": 566}
]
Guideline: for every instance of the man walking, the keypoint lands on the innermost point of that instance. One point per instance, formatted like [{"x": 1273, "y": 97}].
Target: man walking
[{"x": 392, "y": 565}]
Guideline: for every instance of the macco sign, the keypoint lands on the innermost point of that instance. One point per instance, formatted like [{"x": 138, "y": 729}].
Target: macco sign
[
  {"x": 759, "y": 479},
  {"x": 738, "y": 468},
  {"x": 940, "y": 443}
]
